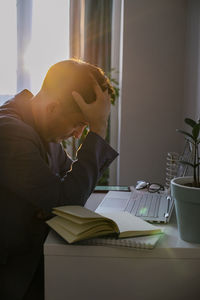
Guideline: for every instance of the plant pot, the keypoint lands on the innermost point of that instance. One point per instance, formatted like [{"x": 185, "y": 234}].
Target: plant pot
[{"x": 187, "y": 205}]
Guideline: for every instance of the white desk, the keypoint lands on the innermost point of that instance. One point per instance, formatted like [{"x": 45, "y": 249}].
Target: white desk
[{"x": 170, "y": 271}]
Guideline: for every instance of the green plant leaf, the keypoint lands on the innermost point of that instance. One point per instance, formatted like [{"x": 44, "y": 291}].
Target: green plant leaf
[
  {"x": 117, "y": 92},
  {"x": 190, "y": 122},
  {"x": 195, "y": 131},
  {"x": 186, "y": 133},
  {"x": 114, "y": 81}
]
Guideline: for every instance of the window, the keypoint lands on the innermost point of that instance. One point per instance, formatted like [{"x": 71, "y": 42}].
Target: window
[
  {"x": 49, "y": 39},
  {"x": 8, "y": 49},
  {"x": 34, "y": 35}
]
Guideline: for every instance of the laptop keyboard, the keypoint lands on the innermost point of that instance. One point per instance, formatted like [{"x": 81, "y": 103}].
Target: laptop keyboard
[
  {"x": 151, "y": 207},
  {"x": 144, "y": 205}
]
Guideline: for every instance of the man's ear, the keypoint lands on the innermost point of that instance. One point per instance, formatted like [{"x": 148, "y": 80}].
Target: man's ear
[{"x": 52, "y": 108}]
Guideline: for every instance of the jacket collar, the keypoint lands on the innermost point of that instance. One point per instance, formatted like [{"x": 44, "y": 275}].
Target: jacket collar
[
  {"x": 22, "y": 102},
  {"x": 20, "y": 107}
]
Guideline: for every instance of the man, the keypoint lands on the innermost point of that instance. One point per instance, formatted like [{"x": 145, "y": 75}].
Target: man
[{"x": 37, "y": 175}]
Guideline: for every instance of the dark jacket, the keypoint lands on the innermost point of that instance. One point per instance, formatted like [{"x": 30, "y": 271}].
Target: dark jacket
[{"x": 35, "y": 177}]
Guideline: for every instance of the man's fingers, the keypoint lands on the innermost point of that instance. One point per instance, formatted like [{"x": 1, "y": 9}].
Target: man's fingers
[
  {"x": 98, "y": 90},
  {"x": 79, "y": 100},
  {"x": 96, "y": 86}
]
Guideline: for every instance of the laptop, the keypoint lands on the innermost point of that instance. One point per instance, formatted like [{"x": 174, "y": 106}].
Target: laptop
[{"x": 151, "y": 207}]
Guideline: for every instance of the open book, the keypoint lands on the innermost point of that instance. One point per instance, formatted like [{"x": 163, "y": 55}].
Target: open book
[{"x": 76, "y": 223}]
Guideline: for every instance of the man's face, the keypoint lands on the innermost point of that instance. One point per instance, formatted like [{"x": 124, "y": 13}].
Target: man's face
[{"x": 61, "y": 126}]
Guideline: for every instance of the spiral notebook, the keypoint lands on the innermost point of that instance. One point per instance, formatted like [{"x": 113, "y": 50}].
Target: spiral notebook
[{"x": 143, "y": 242}]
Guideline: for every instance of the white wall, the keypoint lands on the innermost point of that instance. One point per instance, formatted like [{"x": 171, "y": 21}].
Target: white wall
[
  {"x": 192, "y": 68},
  {"x": 152, "y": 87}
]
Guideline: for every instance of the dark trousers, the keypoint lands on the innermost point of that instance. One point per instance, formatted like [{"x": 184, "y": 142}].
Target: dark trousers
[{"x": 36, "y": 289}]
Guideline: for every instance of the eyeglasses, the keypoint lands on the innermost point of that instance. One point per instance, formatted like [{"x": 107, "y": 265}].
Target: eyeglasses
[{"x": 151, "y": 187}]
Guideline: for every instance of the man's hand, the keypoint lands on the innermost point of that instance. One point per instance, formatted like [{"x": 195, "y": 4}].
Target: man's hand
[{"x": 97, "y": 112}]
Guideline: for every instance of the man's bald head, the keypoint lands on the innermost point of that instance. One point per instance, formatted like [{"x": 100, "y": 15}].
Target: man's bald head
[{"x": 74, "y": 75}]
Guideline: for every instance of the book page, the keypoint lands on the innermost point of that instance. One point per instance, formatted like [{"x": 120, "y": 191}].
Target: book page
[
  {"x": 75, "y": 219},
  {"x": 78, "y": 211},
  {"x": 130, "y": 225},
  {"x": 81, "y": 215},
  {"x": 65, "y": 234},
  {"x": 69, "y": 236},
  {"x": 89, "y": 229}
]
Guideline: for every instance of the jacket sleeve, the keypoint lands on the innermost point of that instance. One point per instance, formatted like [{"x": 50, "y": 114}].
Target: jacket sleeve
[{"x": 26, "y": 173}]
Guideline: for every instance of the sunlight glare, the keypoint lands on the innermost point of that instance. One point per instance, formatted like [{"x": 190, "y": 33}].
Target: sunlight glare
[
  {"x": 8, "y": 49},
  {"x": 49, "y": 43}
]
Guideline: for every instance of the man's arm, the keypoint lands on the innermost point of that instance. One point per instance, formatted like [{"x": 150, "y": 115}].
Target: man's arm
[
  {"x": 63, "y": 160},
  {"x": 25, "y": 172}
]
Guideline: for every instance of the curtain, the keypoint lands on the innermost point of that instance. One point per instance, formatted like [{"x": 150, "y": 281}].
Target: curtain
[
  {"x": 97, "y": 33},
  {"x": 90, "y": 35},
  {"x": 93, "y": 42},
  {"x": 75, "y": 28}
]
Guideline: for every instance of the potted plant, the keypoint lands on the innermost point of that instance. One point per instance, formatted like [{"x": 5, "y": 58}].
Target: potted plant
[{"x": 186, "y": 190}]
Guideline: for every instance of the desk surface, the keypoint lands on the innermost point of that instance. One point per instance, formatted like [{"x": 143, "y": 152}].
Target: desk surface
[
  {"x": 169, "y": 246},
  {"x": 170, "y": 271}
]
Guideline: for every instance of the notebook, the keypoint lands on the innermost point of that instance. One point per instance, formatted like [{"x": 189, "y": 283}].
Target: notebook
[
  {"x": 75, "y": 223},
  {"x": 151, "y": 207},
  {"x": 142, "y": 242}
]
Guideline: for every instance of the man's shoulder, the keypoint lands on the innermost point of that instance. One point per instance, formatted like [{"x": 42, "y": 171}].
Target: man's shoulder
[{"x": 15, "y": 126}]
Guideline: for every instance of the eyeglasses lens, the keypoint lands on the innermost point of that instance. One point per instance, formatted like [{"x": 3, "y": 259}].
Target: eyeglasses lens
[{"x": 154, "y": 187}]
